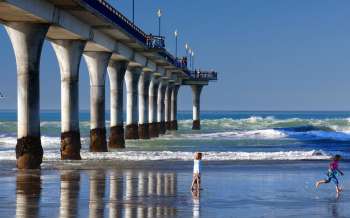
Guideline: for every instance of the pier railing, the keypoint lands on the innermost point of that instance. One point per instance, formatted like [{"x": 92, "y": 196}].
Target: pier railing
[
  {"x": 178, "y": 62},
  {"x": 114, "y": 15},
  {"x": 149, "y": 41},
  {"x": 156, "y": 41},
  {"x": 182, "y": 62},
  {"x": 202, "y": 75}
]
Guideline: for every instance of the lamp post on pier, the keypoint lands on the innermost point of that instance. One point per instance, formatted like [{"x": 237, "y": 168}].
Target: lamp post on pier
[
  {"x": 192, "y": 54},
  {"x": 176, "y": 34},
  {"x": 133, "y": 11},
  {"x": 186, "y": 47},
  {"x": 159, "y": 14}
]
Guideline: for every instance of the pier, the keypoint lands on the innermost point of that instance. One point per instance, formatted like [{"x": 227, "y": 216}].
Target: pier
[{"x": 113, "y": 47}]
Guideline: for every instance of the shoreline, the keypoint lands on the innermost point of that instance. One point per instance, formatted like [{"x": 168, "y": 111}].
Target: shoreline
[{"x": 179, "y": 165}]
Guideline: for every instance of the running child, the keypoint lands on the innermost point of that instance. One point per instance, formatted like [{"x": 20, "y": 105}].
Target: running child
[
  {"x": 333, "y": 172},
  {"x": 196, "y": 182}
]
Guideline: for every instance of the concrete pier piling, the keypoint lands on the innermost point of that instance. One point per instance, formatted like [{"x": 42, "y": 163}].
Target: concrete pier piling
[
  {"x": 196, "y": 94},
  {"x": 161, "y": 106},
  {"x": 167, "y": 104},
  {"x": 132, "y": 76},
  {"x": 116, "y": 71},
  {"x": 97, "y": 65},
  {"x": 143, "y": 89},
  {"x": 69, "y": 53},
  {"x": 27, "y": 40},
  {"x": 173, "y": 115},
  {"x": 153, "y": 107}
]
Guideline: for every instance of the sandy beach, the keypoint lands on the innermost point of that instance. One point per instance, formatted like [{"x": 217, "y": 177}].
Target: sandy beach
[{"x": 159, "y": 189}]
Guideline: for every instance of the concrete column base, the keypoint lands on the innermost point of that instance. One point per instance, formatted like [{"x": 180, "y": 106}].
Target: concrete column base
[
  {"x": 196, "y": 125},
  {"x": 143, "y": 131},
  {"x": 29, "y": 152},
  {"x": 173, "y": 125},
  {"x": 131, "y": 131},
  {"x": 168, "y": 125},
  {"x": 98, "y": 141},
  {"x": 162, "y": 128},
  {"x": 70, "y": 145},
  {"x": 116, "y": 137},
  {"x": 153, "y": 130}
]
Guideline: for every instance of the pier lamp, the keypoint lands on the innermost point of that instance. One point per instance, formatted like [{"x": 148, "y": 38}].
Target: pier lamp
[
  {"x": 133, "y": 11},
  {"x": 192, "y": 55},
  {"x": 159, "y": 14},
  {"x": 186, "y": 48},
  {"x": 176, "y": 34}
]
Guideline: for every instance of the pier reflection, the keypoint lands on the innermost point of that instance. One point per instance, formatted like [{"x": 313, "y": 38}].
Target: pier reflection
[
  {"x": 146, "y": 194},
  {"x": 115, "y": 195},
  {"x": 69, "y": 196},
  {"x": 28, "y": 191},
  {"x": 100, "y": 193},
  {"x": 97, "y": 185}
]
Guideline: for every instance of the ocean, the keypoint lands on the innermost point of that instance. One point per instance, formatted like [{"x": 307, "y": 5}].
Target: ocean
[{"x": 224, "y": 136}]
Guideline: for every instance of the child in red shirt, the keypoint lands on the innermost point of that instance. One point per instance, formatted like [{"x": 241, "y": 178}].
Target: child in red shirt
[{"x": 332, "y": 174}]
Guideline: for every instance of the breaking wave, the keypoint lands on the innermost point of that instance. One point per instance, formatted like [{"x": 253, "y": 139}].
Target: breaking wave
[
  {"x": 269, "y": 122},
  {"x": 296, "y": 139},
  {"x": 268, "y": 128},
  {"x": 271, "y": 128},
  {"x": 273, "y": 134}
]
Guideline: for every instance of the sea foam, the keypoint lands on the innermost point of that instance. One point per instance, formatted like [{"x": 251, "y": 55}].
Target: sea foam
[{"x": 236, "y": 135}]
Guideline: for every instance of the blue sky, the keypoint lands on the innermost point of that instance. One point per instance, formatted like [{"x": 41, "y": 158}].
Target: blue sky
[{"x": 271, "y": 54}]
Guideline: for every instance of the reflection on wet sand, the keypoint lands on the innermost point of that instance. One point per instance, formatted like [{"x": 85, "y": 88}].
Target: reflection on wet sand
[
  {"x": 28, "y": 190},
  {"x": 115, "y": 195},
  {"x": 144, "y": 193},
  {"x": 150, "y": 193},
  {"x": 129, "y": 189},
  {"x": 126, "y": 194},
  {"x": 333, "y": 207},
  {"x": 97, "y": 193},
  {"x": 196, "y": 203},
  {"x": 69, "y": 197}
]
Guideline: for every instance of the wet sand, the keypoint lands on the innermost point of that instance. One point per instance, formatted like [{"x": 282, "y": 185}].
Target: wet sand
[{"x": 161, "y": 189}]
